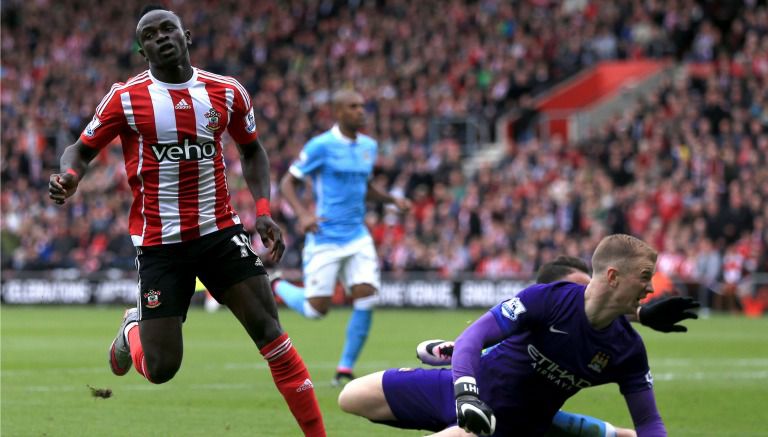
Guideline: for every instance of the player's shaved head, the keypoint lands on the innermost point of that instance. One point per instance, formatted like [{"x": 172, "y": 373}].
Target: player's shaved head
[
  {"x": 344, "y": 96},
  {"x": 149, "y": 8},
  {"x": 152, "y": 11},
  {"x": 348, "y": 108},
  {"x": 164, "y": 43},
  {"x": 619, "y": 249}
]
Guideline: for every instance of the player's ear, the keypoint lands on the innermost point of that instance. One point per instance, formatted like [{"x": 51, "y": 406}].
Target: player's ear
[
  {"x": 612, "y": 276},
  {"x": 188, "y": 37},
  {"x": 137, "y": 47}
]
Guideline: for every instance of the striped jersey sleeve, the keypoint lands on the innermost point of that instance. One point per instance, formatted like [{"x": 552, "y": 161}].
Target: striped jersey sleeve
[{"x": 107, "y": 121}]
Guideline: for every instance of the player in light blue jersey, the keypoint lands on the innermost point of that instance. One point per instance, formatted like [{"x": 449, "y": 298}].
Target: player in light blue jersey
[{"x": 338, "y": 163}]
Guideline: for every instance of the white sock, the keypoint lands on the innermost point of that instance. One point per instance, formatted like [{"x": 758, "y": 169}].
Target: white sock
[{"x": 128, "y": 328}]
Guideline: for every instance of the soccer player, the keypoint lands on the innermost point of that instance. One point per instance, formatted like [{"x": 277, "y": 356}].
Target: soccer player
[
  {"x": 553, "y": 340},
  {"x": 663, "y": 315},
  {"x": 338, "y": 246},
  {"x": 170, "y": 120}
]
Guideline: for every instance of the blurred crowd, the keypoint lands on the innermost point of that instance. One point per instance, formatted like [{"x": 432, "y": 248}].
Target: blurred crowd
[{"x": 685, "y": 168}]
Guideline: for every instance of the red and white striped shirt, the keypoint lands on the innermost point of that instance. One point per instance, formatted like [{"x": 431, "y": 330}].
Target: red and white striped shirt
[{"x": 171, "y": 137}]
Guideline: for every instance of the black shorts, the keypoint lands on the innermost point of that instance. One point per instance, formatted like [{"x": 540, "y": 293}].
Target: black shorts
[{"x": 167, "y": 272}]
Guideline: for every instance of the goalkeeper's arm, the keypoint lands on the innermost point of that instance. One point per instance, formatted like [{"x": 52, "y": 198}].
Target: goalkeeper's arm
[
  {"x": 645, "y": 415},
  {"x": 472, "y": 414}
]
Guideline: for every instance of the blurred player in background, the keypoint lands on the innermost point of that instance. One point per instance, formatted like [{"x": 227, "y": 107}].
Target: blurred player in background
[
  {"x": 552, "y": 341},
  {"x": 338, "y": 246},
  {"x": 170, "y": 120},
  {"x": 662, "y": 314}
]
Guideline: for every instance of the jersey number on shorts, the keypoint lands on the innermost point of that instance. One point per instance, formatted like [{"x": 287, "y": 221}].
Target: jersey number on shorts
[{"x": 244, "y": 243}]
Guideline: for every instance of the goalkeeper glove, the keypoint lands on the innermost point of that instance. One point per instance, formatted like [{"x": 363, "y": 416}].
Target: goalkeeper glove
[
  {"x": 664, "y": 313},
  {"x": 473, "y": 414}
]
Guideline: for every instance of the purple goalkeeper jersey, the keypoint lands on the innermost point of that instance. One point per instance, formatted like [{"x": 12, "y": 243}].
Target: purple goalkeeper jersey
[{"x": 550, "y": 352}]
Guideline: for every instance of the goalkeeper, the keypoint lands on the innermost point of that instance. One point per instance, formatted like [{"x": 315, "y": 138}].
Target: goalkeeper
[
  {"x": 552, "y": 340},
  {"x": 662, "y": 314}
]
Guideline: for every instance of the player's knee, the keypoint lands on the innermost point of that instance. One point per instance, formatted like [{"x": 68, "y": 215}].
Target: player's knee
[
  {"x": 346, "y": 400},
  {"x": 365, "y": 397},
  {"x": 350, "y": 398},
  {"x": 161, "y": 371},
  {"x": 316, "y": 311},
  {"x": 361, "y": 291}
]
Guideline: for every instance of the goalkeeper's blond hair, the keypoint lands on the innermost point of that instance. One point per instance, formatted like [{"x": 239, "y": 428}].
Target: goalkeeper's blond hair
[{"x": 618, "y": 250}]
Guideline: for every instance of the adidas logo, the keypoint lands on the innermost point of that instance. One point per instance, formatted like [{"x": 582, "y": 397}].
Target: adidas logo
[
  {"x": 306, "y": 385},
  {"x": 182, "y": 105}
]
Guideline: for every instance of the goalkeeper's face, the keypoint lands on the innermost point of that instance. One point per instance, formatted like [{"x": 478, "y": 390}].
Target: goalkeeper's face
[{"x": 634, "y": 282}]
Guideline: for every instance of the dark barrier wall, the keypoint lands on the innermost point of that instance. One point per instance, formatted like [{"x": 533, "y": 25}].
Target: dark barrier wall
[
  {"x": 413, "y": 290},
  {"x": 417, "y": 290}
]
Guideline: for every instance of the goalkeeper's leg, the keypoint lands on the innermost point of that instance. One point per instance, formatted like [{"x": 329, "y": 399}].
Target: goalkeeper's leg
[
  {"x": 577, "y": 425},
  {"x": 365, "y": 397},
  {"x": 403, "y": 398}
]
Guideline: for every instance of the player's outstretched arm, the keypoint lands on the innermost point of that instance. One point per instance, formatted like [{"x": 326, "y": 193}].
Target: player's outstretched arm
[
  {"x": 664, "y": 314},
  {"x": 472, "y": 413},
  {"x": 72, "y": 167}
]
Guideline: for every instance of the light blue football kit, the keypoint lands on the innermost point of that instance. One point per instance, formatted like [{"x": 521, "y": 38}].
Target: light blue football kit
[{"x": 339, "y": 169}]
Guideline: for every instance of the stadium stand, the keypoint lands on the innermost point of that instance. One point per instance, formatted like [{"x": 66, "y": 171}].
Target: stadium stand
[{"x": 685, "y": 168}]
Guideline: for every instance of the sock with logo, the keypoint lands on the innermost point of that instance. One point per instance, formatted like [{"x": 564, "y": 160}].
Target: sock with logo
[
  {"x": 137, "y": 352},
  {"x": 357, "y": 332},
  {"x": 292, "y": 295},
  {"x": 293, "y": 381}
]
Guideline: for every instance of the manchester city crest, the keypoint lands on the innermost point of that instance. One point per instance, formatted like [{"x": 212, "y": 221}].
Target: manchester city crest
[{"x": 599, "y": 362}]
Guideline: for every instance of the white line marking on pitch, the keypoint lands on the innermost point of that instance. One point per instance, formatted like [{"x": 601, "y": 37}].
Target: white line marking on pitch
[{"x": 664, "y": 376}]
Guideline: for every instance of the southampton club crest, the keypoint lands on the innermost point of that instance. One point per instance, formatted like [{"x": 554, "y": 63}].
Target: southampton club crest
[
  {"x": 153, "y": 298},
  {"x": 213, "y": 117}
]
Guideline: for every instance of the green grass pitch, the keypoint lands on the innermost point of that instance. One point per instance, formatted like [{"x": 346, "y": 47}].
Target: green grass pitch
[{"x": 711, "y": 381}]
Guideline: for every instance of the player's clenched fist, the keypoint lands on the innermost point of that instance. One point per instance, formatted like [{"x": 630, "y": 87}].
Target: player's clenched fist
[
  {"x": 61, "y": 186},
  {"x": 473, "y": 414}
]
